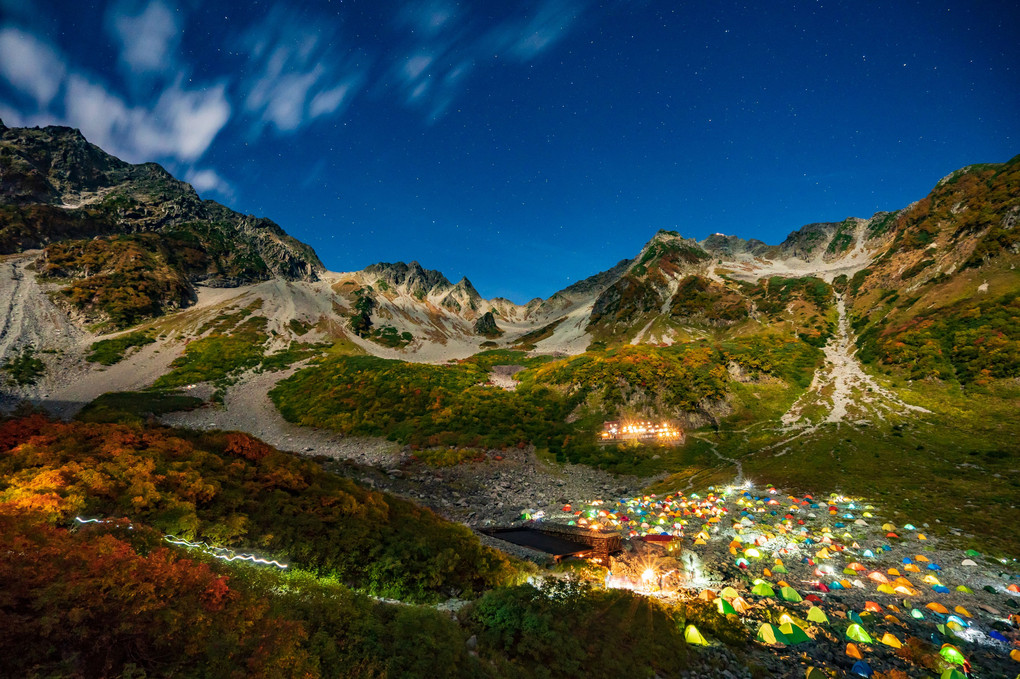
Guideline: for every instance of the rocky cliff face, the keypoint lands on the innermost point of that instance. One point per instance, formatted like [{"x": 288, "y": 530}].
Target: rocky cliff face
[{"x": 56, "y": 186}]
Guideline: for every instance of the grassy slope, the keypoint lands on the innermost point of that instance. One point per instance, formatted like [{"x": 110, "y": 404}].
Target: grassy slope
[{"x": 958, "y": 464}]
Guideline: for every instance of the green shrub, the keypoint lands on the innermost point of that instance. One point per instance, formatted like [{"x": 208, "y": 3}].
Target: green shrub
[
  {"x": 23, "y": 368},
  {"x": 111, "y": 351}
]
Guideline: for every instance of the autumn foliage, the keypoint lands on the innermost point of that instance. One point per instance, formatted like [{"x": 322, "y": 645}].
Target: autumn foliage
[
  {"x": 232, "y": 490},
  {"x": 90, "y": 604}
]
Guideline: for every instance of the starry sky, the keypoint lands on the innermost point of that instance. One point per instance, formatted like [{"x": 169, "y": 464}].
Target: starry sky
[{"x": 525, "y": 144}]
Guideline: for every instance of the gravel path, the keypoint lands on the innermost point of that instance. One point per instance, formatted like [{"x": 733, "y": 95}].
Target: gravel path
[{"x": 247, "y": 408}]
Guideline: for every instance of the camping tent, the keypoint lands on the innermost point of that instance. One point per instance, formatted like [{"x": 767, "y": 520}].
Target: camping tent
[
  {"x": 694, "y": 637},
  {"x": 794, "y": 633},
  {"x": 816, "y": 614},
  {"x": 770, "y": 634},
  {"x": 790, "y": 594},
  {"x": 952, "y": 654},
  {"x": 740, "y": 605},
  {"x": 890, "y": 640},
  {"x": 862, "y": 669},
  {"x": 858, "y": 633}
]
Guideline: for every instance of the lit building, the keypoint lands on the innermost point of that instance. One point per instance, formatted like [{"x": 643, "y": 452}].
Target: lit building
[{"x": 642, "y": 430}]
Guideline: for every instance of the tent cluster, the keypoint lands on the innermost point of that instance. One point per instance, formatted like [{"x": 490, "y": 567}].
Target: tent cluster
[
  {"x": 822, "y": 569},
  {"x": 674, "y": 516}
]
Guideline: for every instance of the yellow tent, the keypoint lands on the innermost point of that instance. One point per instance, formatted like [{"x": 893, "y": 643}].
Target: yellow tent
[
  {"x": 816, "y": 614},
  {"x": 889, "y": 640},
  {"x": 728, "y": 593},
  {"x": 963, "y": 611},
  {"x": 694, "y": 637},
  {"x": 771, "y": 635},
  {"x": 938, "y": 608},
  {"x": 894, "y": 620}
]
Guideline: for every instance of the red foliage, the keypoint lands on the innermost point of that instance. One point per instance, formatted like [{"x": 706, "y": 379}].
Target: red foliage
[
  {"x": 247, "y": 447},
  {"x": 89, "y": 604},
  {"x": 15, "y": 432}
]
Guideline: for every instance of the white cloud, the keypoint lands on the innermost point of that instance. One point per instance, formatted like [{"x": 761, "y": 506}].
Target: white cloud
[
  {"x": 299, "y": 74},
  {"x": 206, "y": 180},
  {"x": 414, "y": 66},
  {"x": 181, "y": 125},
  {"x": 31, "y": 66},
  {"x": 329, "y": 101},
  {"x": 148, "y": 34}
]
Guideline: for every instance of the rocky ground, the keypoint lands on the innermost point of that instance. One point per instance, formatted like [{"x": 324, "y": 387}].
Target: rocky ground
[{"x": 810, "y": 545}]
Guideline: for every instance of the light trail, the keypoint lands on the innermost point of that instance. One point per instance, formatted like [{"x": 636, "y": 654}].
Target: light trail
[
  {"x": 221, "y": 553},
  {"x": 218, "y": 552}
]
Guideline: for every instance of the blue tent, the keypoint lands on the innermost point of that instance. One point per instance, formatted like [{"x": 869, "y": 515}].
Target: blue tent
[{"x": 862, "y": 669}]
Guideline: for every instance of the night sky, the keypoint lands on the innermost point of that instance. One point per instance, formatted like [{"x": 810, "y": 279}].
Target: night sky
[{"x": 526, "y": 145}]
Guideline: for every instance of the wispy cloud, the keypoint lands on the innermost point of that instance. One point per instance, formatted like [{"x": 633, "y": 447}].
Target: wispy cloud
[
  {"x": 148, "y": 35},
  {"x": 31, "y": 66},
  {"x": 178, "y": 125},
  {"x": 528, "y": 37},
  {"x": 444, "y": 46},
  {"x": 181, "y": 124},
  {"x": 427, "y": 17},
  {"x": 299, "y": 72},
  {"x": 206, "y": 180}
]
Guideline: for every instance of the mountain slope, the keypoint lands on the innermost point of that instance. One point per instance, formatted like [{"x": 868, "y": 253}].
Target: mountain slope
[{"x": 112, "y": 229}]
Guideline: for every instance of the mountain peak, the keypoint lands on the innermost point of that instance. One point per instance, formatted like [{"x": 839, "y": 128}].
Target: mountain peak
[{"x": 413, "y": 278}]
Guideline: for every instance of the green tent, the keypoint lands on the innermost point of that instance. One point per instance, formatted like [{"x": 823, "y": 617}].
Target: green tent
[
  {"x": 857, "y": 633},
  {"x": 790, "y": 594},
  {"x": 763, "y": 589},
  {"x": 965, "y": 589},
  {"x": 725, "y": 607},
  {"x": 770, "y": 634},
  {"x": 952, "y": 654},
  {"x": 952, "y": 673},
  {"x": 779, "y": 568},
  {"x": 694, "y": 637},
  {"x": 973, "y": 553},
  {"x": 816, "y": 614},
  {"x": 916, "y": 614},
  {"x": 794, "y": 633}
]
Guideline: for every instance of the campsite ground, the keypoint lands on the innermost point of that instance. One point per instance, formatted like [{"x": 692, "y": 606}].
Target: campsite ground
[{"x": 954, "y": 467}]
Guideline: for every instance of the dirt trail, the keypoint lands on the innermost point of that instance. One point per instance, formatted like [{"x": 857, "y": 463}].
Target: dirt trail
[
  {"x": 248, "y": 408},
  {"x": 714, "y": 447},
  {"x": 842, "y": 387},
  {"x": 27, "y": 316}
]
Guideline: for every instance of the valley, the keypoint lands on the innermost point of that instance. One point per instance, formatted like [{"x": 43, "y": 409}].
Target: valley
[{"x": 171, "y": 365}]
